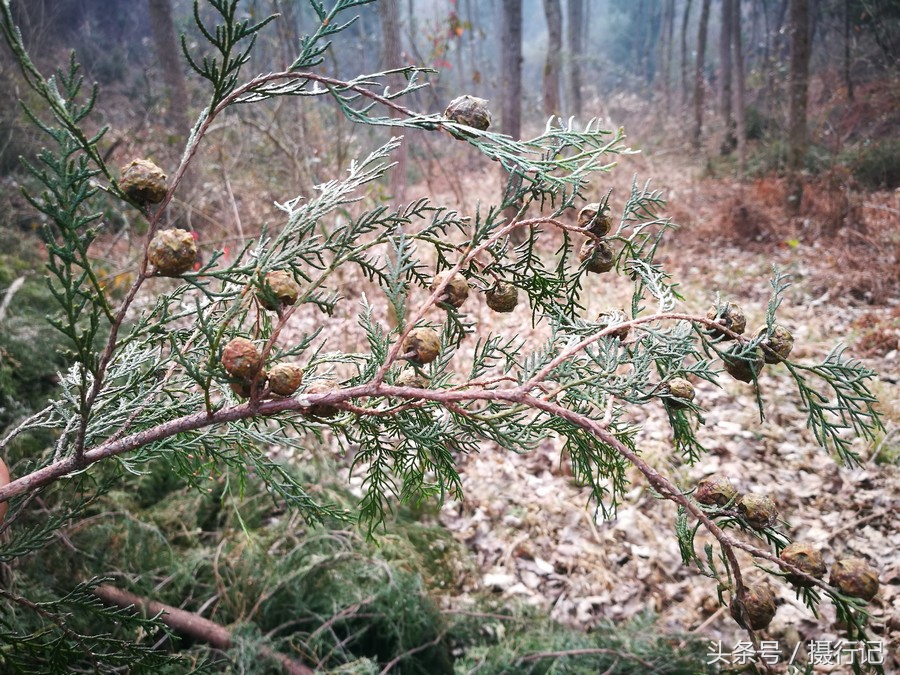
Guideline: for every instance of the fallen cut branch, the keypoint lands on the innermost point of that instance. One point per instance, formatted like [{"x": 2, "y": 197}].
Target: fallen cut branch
[
  {"x": 8, "y": 296},
  {"x": 190, "y": 624}
]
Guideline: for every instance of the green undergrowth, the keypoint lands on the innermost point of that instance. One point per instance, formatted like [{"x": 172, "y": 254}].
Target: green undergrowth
[
  {"x": 30, "y": 353},
  {"x": 324, "y": 595},
  {"x": 526, "y": 642}
]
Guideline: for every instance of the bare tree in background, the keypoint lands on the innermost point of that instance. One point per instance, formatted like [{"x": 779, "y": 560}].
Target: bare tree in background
[
  {"x": 169, "y": 54},
  {"x": 511, "y": 68},
  {"x": 553, "y": 12},
  {"x": 667, "y": 35},
  {"x": 698, "y": 74},
  {"x": 575, "y": 33},
  {"x": 288, "y": 29},
  {"x": 725, "y": 73},
  {"x": 684, "y": 52},
  {"x": 392, "y": 57},
  {"x": 511, "y": 89},
  {"x": 848, "y": 81},
  {"x": 740, "y": 105},
  {"x": 798, "y": 86}
]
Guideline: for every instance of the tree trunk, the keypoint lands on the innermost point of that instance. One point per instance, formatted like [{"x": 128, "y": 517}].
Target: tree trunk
[
  {"x": 685, "y": 86},
  {"x": 740, "y": 105},
  {"x": 848, "y": 82},
  {"x": 553, "y": 12},
  {"x": 168, "y": 51},
  {"x": 511, "y": 67},
  {"x": 665, "y": 53},
  {"x": 798, "y": 85},
  {"x": 725, "y": 73},
  {"x": 287, "y": 29},
  {"x": 575, "y": 32},
  {"x": 699, "y": 76},
  {"x": 511, "y": 91},
  {"x": 389, "y": 11}
]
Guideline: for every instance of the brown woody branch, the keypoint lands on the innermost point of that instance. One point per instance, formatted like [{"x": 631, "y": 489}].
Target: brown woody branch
[{"x": 190, "y": 624}]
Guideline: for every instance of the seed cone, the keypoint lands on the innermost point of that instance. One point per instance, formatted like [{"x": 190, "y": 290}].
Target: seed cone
[
  {"x": 242, "y": 387},
  {"x": 807, "y": 559},
  {"x": 593, "y": 219},
  {"x": 598, "y": 256},
  {"x": 143, "y": 182},
  {"x": 742, "y": 368},
  {"x": 758, "y": 510},
  {"x": 412, "y": 380},
  {"x": 678, "y": 388},
  {"x": 730, "y": 316},
  {"x": 754, "y": 607},
  {"x": 855, "y": 577},
  {"x": 455, "y": 292},
  {"x": 172, "y": 252},
  {"x": 469, "y": 110},
  {"x": 322, "y": 410},
  {"x": 780, "y": 342},
  {"x": 502, "y": 297},
  {"x": 422, "y": 345},
  {"x": 281, "y": 284},
  {"x": 241, "y": 359},
  {"x": 715, "y": 491},
  {"x": 285, "y": 379}
]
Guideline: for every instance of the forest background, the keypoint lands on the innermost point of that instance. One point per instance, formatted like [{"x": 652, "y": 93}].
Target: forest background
[{"x": 770, "y": 125}]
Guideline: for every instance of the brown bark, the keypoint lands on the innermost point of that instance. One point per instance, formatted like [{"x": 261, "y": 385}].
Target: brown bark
[
  {"x": 168, "y": 51},
  {"x": 798, "y": 90},
  {"x": 553, "y": 12},
  {"x": 189, "y": 623},
  {"x": 698, "y": 74},
  {"x": 575, "y": 32},
  {"x": 389, "y": 10},
  {"x": 740, "y": 105},
  {"x": 725, "y": 73}
]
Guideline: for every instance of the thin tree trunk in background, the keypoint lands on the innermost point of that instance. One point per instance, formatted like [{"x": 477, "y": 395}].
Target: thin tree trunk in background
[
  {"x": 575, "y": 32},
  {"x": 553, "y": 12},
  {"x": 685, "y": 86},
  {"x": 475, "y": 63},
  {"x": 847, "y": 80},
  {"x": 287, "y": 29},
  {"x": 652, "y": 32},
  {"x": 668, "y": 35},
  {"x": 389, "y": 11},
  {"x": 698, "y": 74},
  {"x": 740, "y": 105},
  {"x": 798, "y": 85},
  {"x": 511, "y": 88},
  {"x": 511, "y": 68},
  {"x": 168, "y": 51},
  {"x": 776, "y": 54},
  {"x": 725, "y": 72}
]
